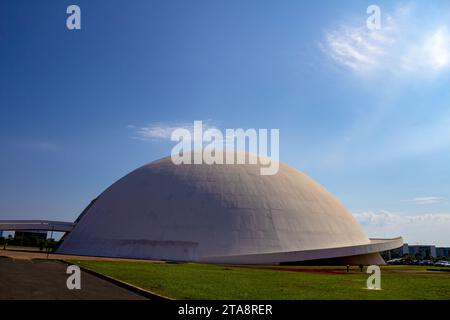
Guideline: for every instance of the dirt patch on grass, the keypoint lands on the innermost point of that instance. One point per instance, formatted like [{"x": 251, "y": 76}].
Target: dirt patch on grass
[
  {"x": 315, "y": 271},
  {"x": 299, "y": 269}
]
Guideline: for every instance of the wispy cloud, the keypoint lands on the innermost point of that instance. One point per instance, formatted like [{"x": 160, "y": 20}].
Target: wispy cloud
[
  {"x": 357, "y": 47},
  {"x": 43, "y": 146},
  {"x": 432, "y": 52},
  {"x": 430, "y": 228},
  {"x": 163, "y": 130},
  {"x": 400, "y": 47},
  {"x": 403, "y": 51},
  {"x": 425, "y": 200}
]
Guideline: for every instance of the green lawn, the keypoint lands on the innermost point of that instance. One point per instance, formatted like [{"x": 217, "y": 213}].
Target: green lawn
[{"x": 205, "y": 281}]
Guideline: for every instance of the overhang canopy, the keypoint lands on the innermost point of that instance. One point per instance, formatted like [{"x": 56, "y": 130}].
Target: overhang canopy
[{"x": 46, "y": 225}]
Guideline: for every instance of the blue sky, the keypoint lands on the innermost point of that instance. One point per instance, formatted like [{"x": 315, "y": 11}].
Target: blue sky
[{"x": 365, "y": 113}]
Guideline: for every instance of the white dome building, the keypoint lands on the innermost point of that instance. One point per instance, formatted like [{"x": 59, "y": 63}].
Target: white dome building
[{"x": 223, "y": 214}]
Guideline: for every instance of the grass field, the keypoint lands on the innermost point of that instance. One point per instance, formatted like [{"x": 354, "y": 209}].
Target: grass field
[{"x": 205, "y": 281}]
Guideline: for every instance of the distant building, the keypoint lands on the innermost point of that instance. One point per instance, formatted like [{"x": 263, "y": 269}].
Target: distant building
[
  {"x": 443, "y": 252},
  {"x": 419, "y": 251},
  {"x": 397, "y": 253},
  {"x": 422, "y": 251}
]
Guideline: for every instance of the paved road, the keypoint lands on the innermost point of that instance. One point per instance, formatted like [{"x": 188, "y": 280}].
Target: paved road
[
  {"x": 46, "y": 280},
  {"x": 16, "y": 253}
]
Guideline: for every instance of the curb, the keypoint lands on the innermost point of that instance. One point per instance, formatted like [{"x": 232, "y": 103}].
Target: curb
[{"x": 145, "y": 293}]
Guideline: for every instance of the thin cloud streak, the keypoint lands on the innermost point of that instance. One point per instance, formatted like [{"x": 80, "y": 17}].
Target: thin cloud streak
[
  {"x": 160, "y": 131},
  {"x": 425, "y": 200}
]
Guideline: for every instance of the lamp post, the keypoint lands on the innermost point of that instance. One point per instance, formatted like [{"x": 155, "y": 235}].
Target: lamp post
[{"x": 51, "y": 236}]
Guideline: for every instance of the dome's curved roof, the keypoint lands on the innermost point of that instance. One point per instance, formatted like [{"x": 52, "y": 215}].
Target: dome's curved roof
[{"x": 192, "y": 212}]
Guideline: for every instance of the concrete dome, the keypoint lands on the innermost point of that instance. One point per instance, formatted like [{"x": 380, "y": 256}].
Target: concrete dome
[{"x": 217, "y": 213}]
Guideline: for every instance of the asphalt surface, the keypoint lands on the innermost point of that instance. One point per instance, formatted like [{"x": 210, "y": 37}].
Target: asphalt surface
[{"x": 46, "y": 280}]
